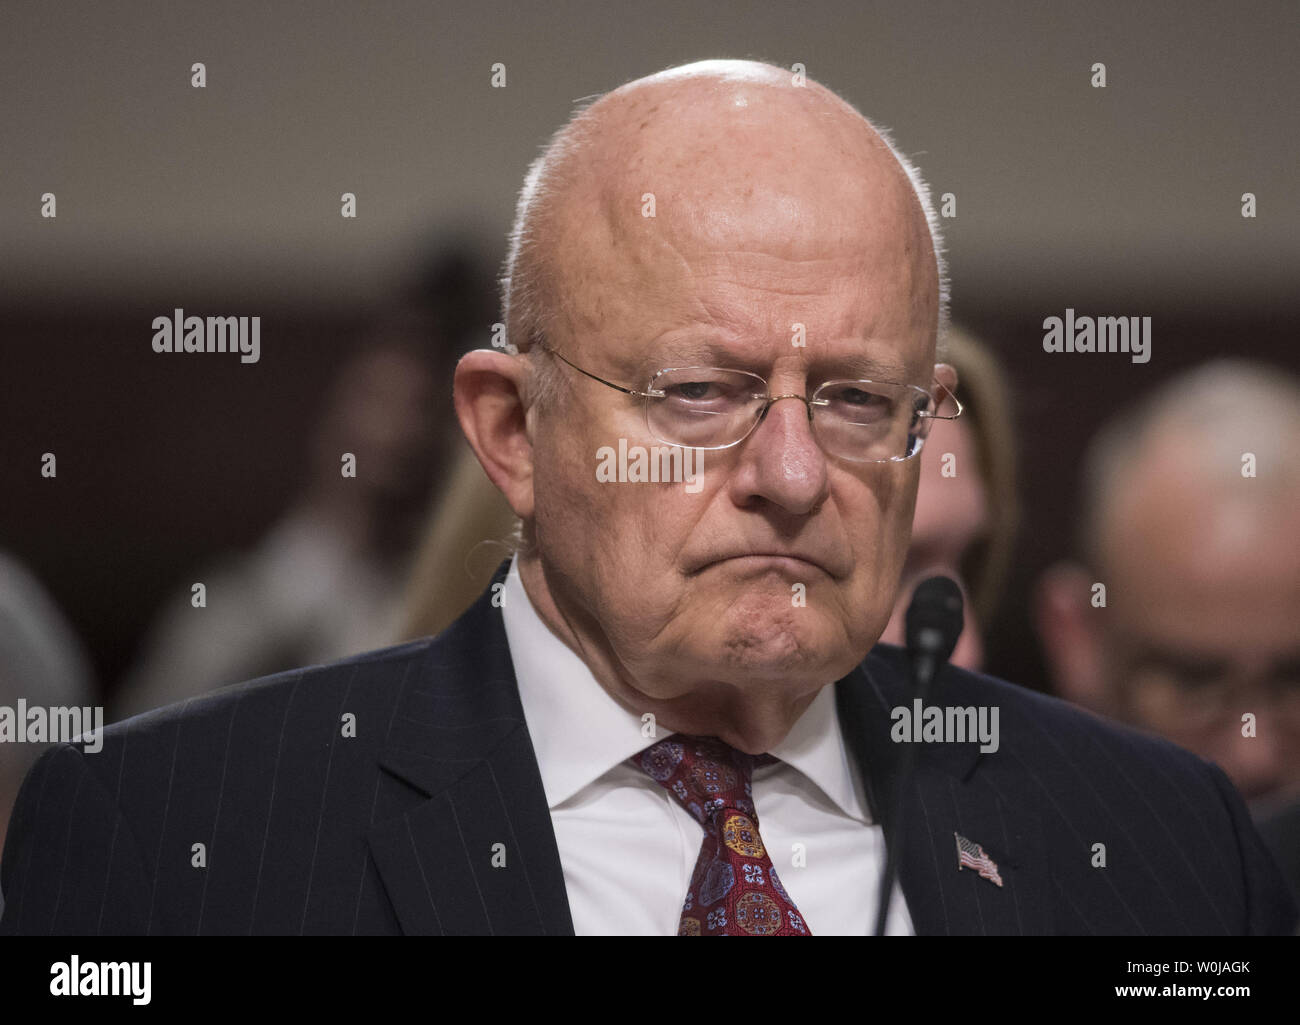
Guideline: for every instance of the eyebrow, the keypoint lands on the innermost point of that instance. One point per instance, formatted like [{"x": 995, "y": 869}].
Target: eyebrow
[{"x": 703, "y": 352}]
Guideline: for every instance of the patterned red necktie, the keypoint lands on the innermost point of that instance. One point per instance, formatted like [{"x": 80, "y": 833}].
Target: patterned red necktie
[{"x": 734, "y": 889}]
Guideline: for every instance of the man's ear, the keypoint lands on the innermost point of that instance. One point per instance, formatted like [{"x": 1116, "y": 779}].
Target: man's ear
[
  {"x": 488, "y": 392},
  {"x": 946, "y": 375},
  {"x": 1068, "y": 629}
]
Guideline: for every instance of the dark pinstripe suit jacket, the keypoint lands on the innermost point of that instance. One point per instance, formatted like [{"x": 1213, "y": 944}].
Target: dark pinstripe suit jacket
[{"x": 305, "y": 830}]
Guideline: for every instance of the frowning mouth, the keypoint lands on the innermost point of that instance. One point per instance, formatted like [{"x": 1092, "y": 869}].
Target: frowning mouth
[{"x": 782, "y": 561}]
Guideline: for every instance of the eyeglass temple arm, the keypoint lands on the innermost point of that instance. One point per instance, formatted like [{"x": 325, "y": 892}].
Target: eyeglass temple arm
[
  {"x": 953, "y": 396},
  {"x": 609, "y": 384}
]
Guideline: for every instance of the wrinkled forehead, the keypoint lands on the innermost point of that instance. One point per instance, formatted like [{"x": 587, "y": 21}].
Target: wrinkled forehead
[{"x": 726, "y": 221}]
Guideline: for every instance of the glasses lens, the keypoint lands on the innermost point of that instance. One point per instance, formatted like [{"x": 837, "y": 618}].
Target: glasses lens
[
  {"x": 871, "y": 421},
  {"x": 704, "y": 407}
]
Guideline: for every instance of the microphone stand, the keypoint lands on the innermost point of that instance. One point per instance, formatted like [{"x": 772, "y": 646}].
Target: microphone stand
[{"x": 934, "y": 622}]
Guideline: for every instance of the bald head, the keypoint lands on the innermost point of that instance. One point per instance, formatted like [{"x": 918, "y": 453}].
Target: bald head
[
  {"x": 1177, "y": 459},
  {"x": 732, "y": 152}
]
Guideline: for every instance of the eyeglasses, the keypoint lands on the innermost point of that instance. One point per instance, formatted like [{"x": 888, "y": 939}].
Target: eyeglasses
[
  {"x": 716, "y": 408},
  {"x": 1170, "y": 692}
]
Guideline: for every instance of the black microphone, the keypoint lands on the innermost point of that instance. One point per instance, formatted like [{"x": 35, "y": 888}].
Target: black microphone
[{"x": 933, "y": 624}]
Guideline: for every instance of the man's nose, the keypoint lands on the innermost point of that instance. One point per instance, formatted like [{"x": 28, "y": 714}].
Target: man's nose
[{"x": 782, "y": 461}]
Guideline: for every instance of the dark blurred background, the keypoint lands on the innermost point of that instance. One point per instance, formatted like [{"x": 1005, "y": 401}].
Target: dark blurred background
[{"x": 226, "y": 201}]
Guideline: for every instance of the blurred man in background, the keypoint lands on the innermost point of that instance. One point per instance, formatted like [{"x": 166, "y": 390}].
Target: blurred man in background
[
  {"x": 1191, "y": 521},
  {"x": 326, "y": 580}
]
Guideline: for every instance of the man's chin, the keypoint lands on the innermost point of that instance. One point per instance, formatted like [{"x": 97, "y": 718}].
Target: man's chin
[{"x": 792, "y": 644}]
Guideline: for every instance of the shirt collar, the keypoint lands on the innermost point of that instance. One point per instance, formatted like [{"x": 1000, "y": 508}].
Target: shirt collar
[{"x": 580, "y": 732}]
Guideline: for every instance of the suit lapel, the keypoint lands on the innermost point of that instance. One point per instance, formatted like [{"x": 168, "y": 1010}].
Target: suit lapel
[
  {"x": 475, "y": 852},
  {"x": 951, "y": 792}
]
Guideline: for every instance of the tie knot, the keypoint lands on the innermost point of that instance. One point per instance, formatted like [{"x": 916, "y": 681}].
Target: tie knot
[{"x": 703, "y": 774}]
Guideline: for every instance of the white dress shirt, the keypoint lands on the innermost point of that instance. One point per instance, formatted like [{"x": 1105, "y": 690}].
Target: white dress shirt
[{"x": 628, "y": 848}]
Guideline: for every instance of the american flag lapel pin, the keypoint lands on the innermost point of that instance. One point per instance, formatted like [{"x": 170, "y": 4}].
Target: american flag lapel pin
[{"x": 971, "y": 855}]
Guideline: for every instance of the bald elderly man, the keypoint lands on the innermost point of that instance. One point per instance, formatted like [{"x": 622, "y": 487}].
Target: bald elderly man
[{"x": 666, "y": 715}]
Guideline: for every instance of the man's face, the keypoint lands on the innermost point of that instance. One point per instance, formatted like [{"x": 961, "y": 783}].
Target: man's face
[
  {"x": 780, "y": 572},
  {"x": 1203, "y": 621}
]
